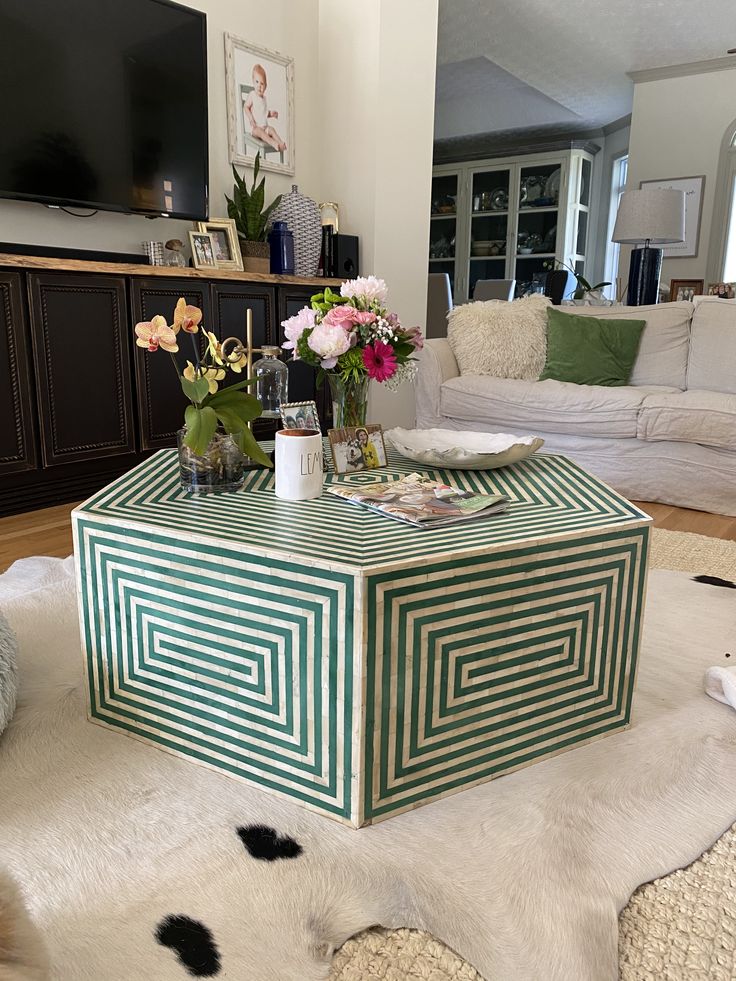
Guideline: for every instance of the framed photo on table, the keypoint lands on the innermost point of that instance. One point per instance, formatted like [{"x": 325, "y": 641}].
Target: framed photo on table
[
  {"x": 685, "y": 289},
  {"x": 260, "y": 105},
  {"x": 300, "y": 415},
  {"x": 203, "y": 250},
  {"x": 693, "y": 188},
  {"x": 224, "y": 236},
  {"x": 357, "y": 448},
  {"x": 724, "y": 291}
]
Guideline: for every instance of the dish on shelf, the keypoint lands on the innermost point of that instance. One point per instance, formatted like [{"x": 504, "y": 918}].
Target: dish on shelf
[
  {"x": 488, "y": 247},
  {"x": 462, "y": 450},
  {"x": 552, "y": 186},
  {"x": 499, "y": 200},
  {"x": 525, "y": 250}
]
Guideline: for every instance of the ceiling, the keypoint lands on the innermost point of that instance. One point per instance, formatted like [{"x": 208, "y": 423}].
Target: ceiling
[{"x": 522, "y": 64}]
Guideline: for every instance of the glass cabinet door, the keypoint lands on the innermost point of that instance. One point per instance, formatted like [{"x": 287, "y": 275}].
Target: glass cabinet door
[
  {"x": 443, "y": 226},
  {"x": 581, "y": 173},
  {"x": 536, "y": 237},
  {"x": 489, "y": 225}
]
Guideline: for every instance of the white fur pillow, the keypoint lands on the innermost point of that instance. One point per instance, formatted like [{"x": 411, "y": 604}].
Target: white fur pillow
[{"x": 507, "y": 340}]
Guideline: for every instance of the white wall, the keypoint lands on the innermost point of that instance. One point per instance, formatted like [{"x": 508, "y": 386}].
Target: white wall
[
  {"x": 288, "y": 26},
  {"x": 378, "y": 82},
  {"x": 677, "y": 126},
  {"x": 614, "y": 145}
]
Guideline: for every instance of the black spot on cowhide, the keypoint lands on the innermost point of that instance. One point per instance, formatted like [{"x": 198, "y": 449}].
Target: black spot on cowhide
[
  {"x": 267, "y": 844},
  {"x": 715, "y": 581},
  {"x": 193, "y": 943}
]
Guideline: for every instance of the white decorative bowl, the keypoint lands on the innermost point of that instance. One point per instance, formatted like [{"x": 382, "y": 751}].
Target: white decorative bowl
[{"x": 457, "y": 450}]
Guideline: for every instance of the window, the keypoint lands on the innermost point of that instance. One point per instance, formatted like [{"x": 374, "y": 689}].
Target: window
[
  {"x": 729, "y": 258},
  {"x": 613, "y": 249},
  {"x": 722, "y": 252}
]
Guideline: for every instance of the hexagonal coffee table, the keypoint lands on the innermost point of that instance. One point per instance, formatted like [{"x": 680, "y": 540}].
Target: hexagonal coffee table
[{"x": 353, "y": 664}]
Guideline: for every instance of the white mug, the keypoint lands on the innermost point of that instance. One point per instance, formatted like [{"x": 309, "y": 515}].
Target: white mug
[{"x": 299, "y": 473}]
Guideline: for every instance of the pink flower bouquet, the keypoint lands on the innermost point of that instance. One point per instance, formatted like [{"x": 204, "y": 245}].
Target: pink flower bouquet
[{"x": 351, "y": 334}]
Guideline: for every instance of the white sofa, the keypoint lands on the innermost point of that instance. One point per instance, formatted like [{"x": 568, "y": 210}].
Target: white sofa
[{"x": 669, "y": 436}]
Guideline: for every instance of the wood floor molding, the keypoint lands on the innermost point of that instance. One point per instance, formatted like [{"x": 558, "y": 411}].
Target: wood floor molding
[{"x": 49, "y": 532}]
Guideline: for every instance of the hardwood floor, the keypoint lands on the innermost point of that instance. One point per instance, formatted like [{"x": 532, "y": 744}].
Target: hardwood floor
[{"x": 49, "y": 532}]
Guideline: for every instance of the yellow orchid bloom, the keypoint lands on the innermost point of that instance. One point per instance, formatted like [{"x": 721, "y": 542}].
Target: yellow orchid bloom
[
  {"x": 214, "y": 348},
  {"x": 213, "y": 375},
  {"x": 186, "y": 317},
  {"x": 155, "y": 333}
]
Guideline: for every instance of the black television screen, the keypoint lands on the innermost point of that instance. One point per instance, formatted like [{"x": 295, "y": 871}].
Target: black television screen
[{"x": 104, "y": 105}]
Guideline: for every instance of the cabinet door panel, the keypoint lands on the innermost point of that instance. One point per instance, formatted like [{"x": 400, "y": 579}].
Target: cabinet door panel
[
  {"x": 161, "y": 402},
  {"x": 303, "y": 377},
  {"x": 17, "y": 427},
  {"x": 81, "y": 351}
]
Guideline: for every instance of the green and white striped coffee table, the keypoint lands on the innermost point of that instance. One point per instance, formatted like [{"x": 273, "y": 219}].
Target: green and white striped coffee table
[{"x": 355, "y": 665}]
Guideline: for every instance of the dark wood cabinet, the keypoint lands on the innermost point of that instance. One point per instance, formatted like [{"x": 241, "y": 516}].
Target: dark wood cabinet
[
  {"x": 80, "y": 403},
  {"x": 17, "y": 429},
  {"x": 81, "y": 352},
  {"x": 161, "y": 402}
]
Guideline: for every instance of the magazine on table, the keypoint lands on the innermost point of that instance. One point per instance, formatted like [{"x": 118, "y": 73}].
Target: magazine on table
[{"x": 420, "y": 501}]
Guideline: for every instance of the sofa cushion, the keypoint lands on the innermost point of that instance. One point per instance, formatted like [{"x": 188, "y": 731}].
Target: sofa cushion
[
  {"x": 665, "y": 341},
  {"x": 713, "y": 346},
  {"x": 512, "y": 404},
  {"x": 590, "y": 350},
  {"x": 507, "y": 340},
  {"x": 708, "y": 418}
]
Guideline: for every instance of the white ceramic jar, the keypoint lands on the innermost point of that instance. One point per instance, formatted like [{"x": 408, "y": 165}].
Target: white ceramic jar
[{"x": 299, "y": 471}]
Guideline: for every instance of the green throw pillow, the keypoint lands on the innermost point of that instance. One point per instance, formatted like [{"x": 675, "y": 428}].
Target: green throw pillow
[{"x": 589, "y": 350}]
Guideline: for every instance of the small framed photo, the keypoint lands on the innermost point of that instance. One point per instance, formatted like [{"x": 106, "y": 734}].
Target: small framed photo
[
  {"x": 300, "y": 415},
  {"x": 260, "y": 105},
  {"x": 357, "y": 448},
  {"x": 203, "y": 250},
  {"x": 226, "y": 245},
  {"x": 685, "y": 289},
  {"x": 724, "y": 291}
]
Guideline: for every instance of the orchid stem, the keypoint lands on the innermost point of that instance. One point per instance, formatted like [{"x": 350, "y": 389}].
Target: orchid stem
[
  {"x": 196, "y": 352},
  {"x": 176, "y": 366}
]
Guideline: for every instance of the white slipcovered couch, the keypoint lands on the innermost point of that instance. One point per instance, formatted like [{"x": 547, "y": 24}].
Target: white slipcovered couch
[{"x": 669, "y": 436}]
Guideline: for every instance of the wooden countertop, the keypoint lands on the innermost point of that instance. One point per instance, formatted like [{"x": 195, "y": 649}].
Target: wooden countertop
[{"x": 171, "y": 272}]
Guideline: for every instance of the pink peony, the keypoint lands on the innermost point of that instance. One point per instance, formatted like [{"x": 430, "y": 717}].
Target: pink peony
[
  {"x": 341, "y": 316},
  {"x": 365, "y": 317},
  {"x": 329, "y": 341},
  {"x": 295, "y": 326},
  {"x": 414, "y": 336},
  {"x": 379, "y": 360}
]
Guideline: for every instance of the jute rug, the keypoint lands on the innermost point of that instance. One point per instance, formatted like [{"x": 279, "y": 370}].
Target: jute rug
[
  {"x": 118, "y": 846},
  {"x": 682, "y": 926}
]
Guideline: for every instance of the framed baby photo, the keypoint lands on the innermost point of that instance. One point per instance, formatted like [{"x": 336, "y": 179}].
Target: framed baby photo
[
  {"x": 357, "y": 448},
  {"x": 225, "y": 239},
  {"x": 260, "y": 105},
  {"x": 300, "y": 415},
  {"x": 203, "y": 250}
]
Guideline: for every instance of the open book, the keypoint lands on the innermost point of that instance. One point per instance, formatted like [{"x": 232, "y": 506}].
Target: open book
[{"x": 421, "y": 501}]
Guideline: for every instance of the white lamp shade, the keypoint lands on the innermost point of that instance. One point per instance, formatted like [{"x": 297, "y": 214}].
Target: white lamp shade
[{"x": 652, "y": 214}]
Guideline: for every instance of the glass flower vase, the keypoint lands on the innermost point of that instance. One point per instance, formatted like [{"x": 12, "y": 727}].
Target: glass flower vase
[
  {"x": 220, "y": 468},
  {"x": 349, "y": 401}
]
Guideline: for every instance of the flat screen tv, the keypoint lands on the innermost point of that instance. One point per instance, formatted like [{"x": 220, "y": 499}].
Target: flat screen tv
[{"x": 104, "y": 105}]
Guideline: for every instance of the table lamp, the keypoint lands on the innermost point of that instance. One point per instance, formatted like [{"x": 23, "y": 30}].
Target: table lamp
[{"x": 653, "y": 216}]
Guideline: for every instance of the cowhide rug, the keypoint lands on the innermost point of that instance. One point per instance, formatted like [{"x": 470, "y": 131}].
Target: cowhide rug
[{"x": 138, "y": 865}]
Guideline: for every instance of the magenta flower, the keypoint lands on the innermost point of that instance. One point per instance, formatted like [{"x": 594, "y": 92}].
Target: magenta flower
[{"x": 380, "y": 361}]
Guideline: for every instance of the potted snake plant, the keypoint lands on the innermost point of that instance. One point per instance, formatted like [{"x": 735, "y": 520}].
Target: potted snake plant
[{"x": 247, "y": 208}]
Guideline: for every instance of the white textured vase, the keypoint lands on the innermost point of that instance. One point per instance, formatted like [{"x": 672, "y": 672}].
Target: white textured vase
[
  {"x": 302, "y": 216},
  {"x": 299, "y": 472}
]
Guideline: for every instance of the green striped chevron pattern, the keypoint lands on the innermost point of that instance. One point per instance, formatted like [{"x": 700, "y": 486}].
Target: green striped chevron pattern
[
  {"x": 242, "y": 664},
  {"x": 550, "y": 495},
  {"x": 354, "y": 665},
  {"x": 480, "y": 666}
]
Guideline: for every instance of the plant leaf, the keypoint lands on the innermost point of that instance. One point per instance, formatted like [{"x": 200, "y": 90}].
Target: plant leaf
[
  {"x": 195, "y": 391},
  {"x": 249, "y": 445},
  {"x": 245, "y": 407},
  {"x": 201, "y": 425}
]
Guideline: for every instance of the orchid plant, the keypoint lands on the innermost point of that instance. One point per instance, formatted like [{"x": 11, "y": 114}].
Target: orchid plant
[
  {"x": 231, "y": 408},
  {"x": 352, "y": 334}
]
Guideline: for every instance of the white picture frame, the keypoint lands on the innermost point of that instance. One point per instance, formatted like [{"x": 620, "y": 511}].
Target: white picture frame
[
  {"x": 272, "y": 113},
  {"x": 693, "y": 188},
  {"x": 225, "y": 239}
]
